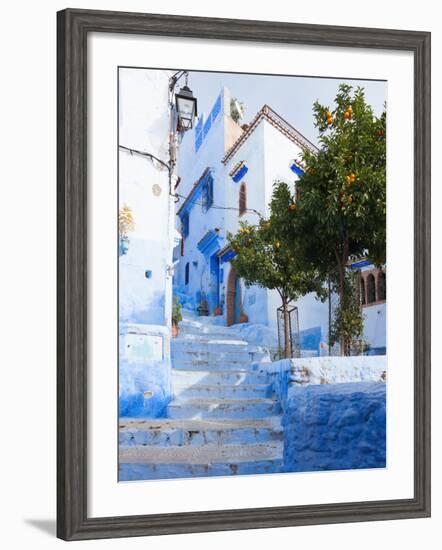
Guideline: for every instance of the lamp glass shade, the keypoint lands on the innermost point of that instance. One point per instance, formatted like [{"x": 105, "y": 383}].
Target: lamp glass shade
[{"x": 186, "y": 107}]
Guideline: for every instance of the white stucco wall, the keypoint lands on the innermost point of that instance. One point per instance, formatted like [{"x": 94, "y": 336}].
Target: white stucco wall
[
  {"x": 375, "y": 322},
  {"x": 280, "y": 151},
  {"x": 252, "y": 153},
  {"x": 144, "y": 125},
  {"x": 145, "y": 282}
]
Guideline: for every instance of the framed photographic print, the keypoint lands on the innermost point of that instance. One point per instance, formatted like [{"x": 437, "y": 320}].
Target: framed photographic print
[{"x": 243, "y": 274}]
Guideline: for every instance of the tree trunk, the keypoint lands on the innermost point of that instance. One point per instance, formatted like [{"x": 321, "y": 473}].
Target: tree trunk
[
  {"x": 287, "y": 335},
  {"x": 342, "y": 339}
]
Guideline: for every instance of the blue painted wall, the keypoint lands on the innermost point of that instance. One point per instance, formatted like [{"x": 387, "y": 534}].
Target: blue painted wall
[
  {"x": 145, "y": 371},
  {"x": 310, "y": 339},
  {"x": 335, "y": 427},
  {"x": 135, "y": 380}
]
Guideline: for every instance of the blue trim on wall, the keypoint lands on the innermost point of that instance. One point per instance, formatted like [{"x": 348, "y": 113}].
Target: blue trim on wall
[
  {"x": 377, "y": 351},
  {"x": 239, "y": 174},
  {"x": 184, "y": 224},
  {"x": 203, "y": 127},
  {"x": 227, "y": 255},
  {"x": 199, "y": 134},
  {"x": 358, "y": 265},
  {"x": 209, "y": 243},
  {"x": 198, "y": 141},
  {"x": 297, "y": 169}
]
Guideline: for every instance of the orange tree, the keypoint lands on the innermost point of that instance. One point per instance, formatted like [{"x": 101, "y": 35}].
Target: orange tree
[
  {"x": 264, "y": 258},
  {"x": 340, "y": 210}
]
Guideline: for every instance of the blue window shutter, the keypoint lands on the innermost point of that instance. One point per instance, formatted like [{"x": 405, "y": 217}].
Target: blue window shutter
[
  {"x": 207, "y": 198},
  {"x": 185, "y": 225},
  {"x": 210, "y": 193}
]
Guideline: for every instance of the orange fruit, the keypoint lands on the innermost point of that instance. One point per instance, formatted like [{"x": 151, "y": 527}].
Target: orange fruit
[
  {"x": 348, "y": 178},
  {"x": 277, "y": 244},
  {"x": 347, "y": 115},
  {"x": 329, "y": 120},
  {"x": 329, "y": 114},
  {"x": 292, "y": 206},
  {"x": 350, "y": 199}
]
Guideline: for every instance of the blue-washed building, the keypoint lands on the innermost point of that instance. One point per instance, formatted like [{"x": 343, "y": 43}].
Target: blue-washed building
[{"x": 227, "y": 172}]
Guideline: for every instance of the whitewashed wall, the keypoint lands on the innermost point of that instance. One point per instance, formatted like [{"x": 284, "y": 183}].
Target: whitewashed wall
[
  {"x": 375, "y": 322},
  {"x": 145, "y": 281},
  {"x": 143, "y": 187}
]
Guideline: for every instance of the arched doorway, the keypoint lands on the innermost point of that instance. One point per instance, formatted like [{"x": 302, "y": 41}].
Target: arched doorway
[{"x": 233, "y": 301}]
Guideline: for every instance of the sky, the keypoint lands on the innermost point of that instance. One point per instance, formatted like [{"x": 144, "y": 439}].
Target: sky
[{"x": 292, "y": 97}]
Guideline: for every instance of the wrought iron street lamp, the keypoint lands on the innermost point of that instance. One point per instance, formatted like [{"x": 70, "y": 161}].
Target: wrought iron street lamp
[{"x": 186, "y": 108}]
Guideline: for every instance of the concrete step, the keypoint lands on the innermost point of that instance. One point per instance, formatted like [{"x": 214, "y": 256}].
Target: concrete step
[
  {"x": 224, "y": 391},
  {"x": 195, "y": 343},
  {"x": 225, "y": 336},
  {"x": 211, "y": 356},
  {"x": 201, "y": 364},
  {"x": 180, "y": 432},
  {"x": 144, "y": 472},
  {"x": 201, "y": 454},
  {"x": 195, "y": 326},
  {"x": 223, "y": 408},
  {"x": 209, "y": 376},
  {"x": 208, "y": 344}
]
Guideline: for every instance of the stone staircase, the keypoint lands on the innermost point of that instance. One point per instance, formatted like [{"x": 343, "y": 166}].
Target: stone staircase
[{"x": 223, "y": 420}]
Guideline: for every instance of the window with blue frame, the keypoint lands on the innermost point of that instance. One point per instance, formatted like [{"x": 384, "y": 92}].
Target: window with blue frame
[
  {"x": 187, "y": 274},
  {"x": 207, "y": 195},
  {"x": 185, "y": 225}
]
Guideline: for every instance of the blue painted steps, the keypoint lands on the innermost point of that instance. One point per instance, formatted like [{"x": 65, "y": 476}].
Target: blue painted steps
[
  {"x": 224, "y": 418},
  {"x": 166, "y": 432},
  {"x": 186, "y": 378},
  {"x": 228, "y": 467},
  {"x": 224, "y": 391},
  {"x": 223, "y": 408}
]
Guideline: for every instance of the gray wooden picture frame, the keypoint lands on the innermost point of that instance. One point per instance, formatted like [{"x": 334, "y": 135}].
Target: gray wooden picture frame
[{"x": 73, "y": 27}]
